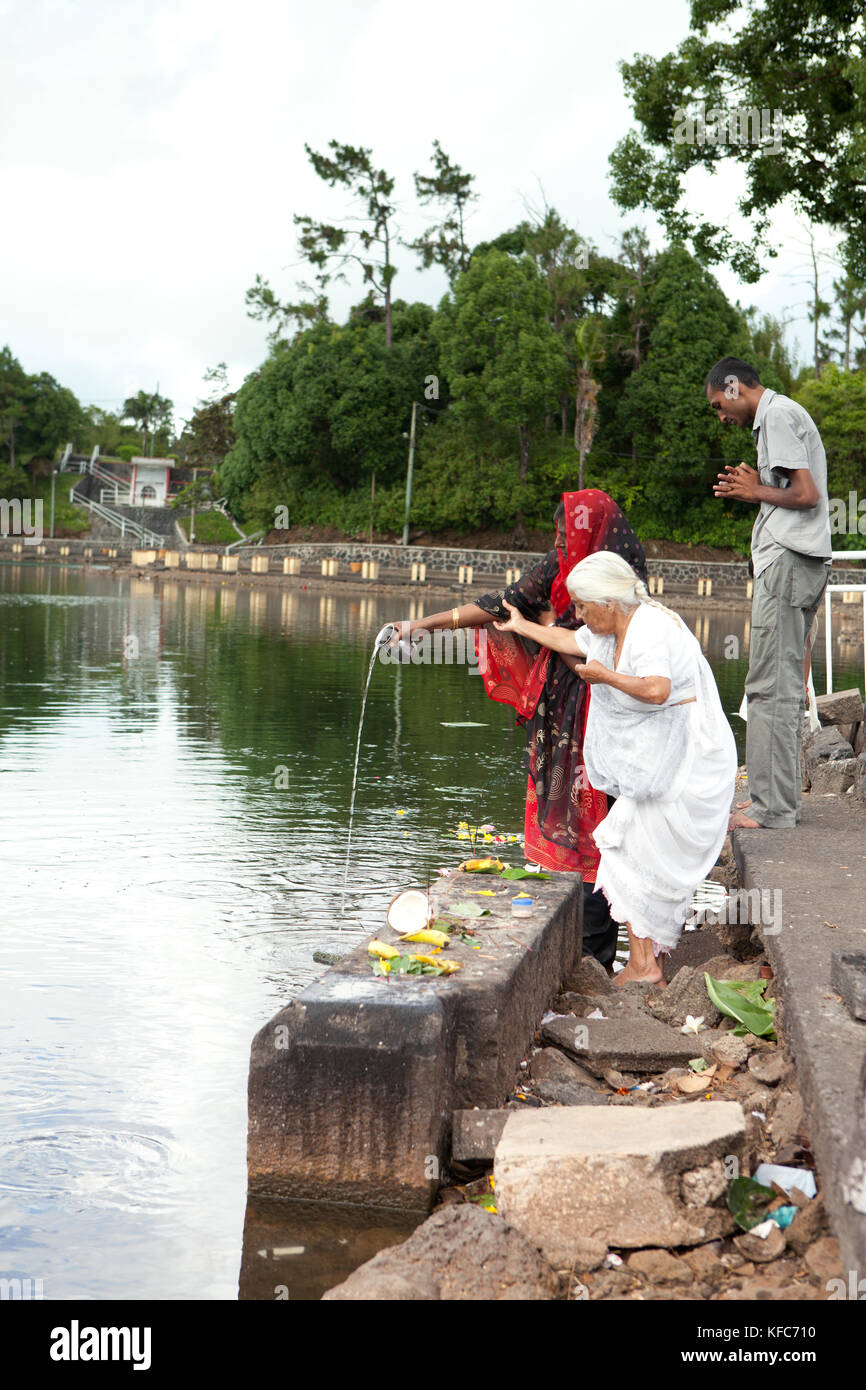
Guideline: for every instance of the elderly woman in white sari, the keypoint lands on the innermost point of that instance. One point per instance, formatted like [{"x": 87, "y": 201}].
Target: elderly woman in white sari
[{"x": 658, "y": 741}]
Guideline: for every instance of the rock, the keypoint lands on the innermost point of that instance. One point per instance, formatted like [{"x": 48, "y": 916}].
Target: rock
[
  {"x": 328, "y": 957},
  {"x": 386, "y": 1286},
  {"x": 566, "y": 1093},
  {"x": 475, "y": 1134},
  {"x": 834, "y": 778},
  {"x": 827, "y": 745},
  {"x": 590, "y": 977},
  {"x": 616, "y": 1079},
  {"x": 730, "y": 1051},
  {"x": 858, "y": 743},
  {"x": 686, "y": 994},
  {"x": 467, "y": 1253},
  {"x": 761, "y": 1251},
  {"x": 860, "y": 778},
  {"x": 705, "y": 1264},
  {"x": 823, "y": 1260},
  {"x": 768, "y": 1067},
  {"x": 700, "y": 1187},
  {"x": 841, "y": 707},
  {"x": 787, "y": 1121},
  {"x": 549, "y": 1064},
  {"x": 627, "y": 1043},
  {"x": 808, "y": 1225},
  {"x": 660, "y": 1267},
  {"x": 613, "y": 1173}
]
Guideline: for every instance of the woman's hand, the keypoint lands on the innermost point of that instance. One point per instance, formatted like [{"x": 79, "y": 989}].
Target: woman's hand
[
  {"x": 516, "y": 621},
  {"x": 593, "y": 673}
]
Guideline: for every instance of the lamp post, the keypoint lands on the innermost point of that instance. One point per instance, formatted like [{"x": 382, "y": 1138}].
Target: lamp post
[
  {"x": 53, "y": 476},
  {"x": 409, "y": 474}
]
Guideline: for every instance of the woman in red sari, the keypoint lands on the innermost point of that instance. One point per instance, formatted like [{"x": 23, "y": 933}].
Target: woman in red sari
[{"x": 549, "y": 698}]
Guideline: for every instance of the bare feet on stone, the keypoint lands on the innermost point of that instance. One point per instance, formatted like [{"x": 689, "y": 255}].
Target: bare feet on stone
[{"x": 740, "y": 821}]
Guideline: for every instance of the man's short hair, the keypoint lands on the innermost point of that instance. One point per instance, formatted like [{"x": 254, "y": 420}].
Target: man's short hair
[{"x": 719, "y": 376}]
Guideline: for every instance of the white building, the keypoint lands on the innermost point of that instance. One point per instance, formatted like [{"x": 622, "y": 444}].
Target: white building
[{"x": 150, "y": 481}]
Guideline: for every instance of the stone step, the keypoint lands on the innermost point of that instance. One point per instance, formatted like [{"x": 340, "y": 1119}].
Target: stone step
[{"x": 353, "y": 1085}]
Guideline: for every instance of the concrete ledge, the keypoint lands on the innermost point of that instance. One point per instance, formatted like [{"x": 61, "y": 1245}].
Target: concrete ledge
[
  {"x": 820, "y": 868},
  {"x": 353, "y": 1085}
]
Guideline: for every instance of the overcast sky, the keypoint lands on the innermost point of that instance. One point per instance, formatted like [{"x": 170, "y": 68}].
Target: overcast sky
[{"x": 152, "y": 157}]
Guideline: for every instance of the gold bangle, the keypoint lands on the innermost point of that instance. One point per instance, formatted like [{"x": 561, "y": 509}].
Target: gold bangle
[{"x": 455, "y": 618}]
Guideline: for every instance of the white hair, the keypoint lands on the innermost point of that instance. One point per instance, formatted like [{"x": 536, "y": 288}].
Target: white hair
[{"x": 604, "y": 577}]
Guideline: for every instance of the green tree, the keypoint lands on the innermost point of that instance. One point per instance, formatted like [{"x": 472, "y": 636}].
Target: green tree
[
  {"x": 37, "y": 416},
  {"x": 837, "y": 403},
  {"x": 369, "y": 246},
  {"x": 445, "y": 243},
  {"x": 328, "y": 410},
  {"x": 208, "y": 435},
  {"x": 806, "y": 65},
  {"x": 504, "y": 361},
  {"x": 663, "y": 406},
  {"x": 150, "y": 412}
]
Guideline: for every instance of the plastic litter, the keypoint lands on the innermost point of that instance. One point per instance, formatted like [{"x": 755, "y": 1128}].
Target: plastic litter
[
  {"x": 786, "y": 1178},
  {"x": 783, "y": 1216},
  {"x": 597, "y": 1013}
]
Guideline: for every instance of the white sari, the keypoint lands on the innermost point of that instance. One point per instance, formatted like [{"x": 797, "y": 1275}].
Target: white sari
[{"x": 671, "y": 768}]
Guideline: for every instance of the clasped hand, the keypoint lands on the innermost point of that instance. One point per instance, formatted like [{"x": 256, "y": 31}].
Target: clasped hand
[{"x": 739, "y": 483}]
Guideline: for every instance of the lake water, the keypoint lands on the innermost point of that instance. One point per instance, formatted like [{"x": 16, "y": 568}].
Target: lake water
[{"x": 175, "y": 770}]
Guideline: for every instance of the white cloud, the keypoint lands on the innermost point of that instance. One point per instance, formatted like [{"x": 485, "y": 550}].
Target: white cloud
[{"x": 153, "y": 156}]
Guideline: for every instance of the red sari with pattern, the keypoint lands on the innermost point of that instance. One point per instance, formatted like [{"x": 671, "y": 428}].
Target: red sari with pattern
[{"x": 551, "y": 701}]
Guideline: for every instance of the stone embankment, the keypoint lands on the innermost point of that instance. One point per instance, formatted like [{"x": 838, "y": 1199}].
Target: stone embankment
[
  {"x": 605, "y": 1173},
  {"x": 684, "y": 579}
]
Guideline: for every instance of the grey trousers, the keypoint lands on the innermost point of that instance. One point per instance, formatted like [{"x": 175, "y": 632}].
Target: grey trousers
[{"x": 785, "y": 600}]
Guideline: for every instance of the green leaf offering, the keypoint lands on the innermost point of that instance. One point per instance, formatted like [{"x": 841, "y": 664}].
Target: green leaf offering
[
  {"x": 521, "y": 873},
  {"x": 468, "y": 909},
  {"x": 742, "y": 1000},
  {"x": 745, "y": 1196}
]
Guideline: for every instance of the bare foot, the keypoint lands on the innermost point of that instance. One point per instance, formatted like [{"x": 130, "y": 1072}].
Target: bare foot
[
  {"x": 741, "y": 805},
  {"x": 739, "y": 821},
  {"x": 631, "y": 973}
]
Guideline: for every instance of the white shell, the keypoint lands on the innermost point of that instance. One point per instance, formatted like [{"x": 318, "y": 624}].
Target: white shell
[{"x": 409, "y": 911}]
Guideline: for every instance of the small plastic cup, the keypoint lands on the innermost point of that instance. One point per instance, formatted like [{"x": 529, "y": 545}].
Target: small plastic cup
[{"x": 521, "y": 906}]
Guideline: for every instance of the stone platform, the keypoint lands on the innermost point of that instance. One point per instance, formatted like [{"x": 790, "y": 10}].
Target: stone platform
[{"x": 353, "y": 1085}]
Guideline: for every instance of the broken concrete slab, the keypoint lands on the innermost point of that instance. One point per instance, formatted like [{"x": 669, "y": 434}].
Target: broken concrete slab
[
  {"x": 459, "y": 1253},
  {"x": 549, "y": 1064},
  {"x": 840, "y": 707},
  {"x": 614, "y": 1175},
  {"x": 629, "y": 1042},
  {"x": 476, "y": 1133},
  {"x": 833, "y": 778}
]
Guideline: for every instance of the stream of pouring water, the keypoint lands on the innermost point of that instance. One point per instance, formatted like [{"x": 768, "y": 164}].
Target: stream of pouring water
[{"x": 383, "y": 637}]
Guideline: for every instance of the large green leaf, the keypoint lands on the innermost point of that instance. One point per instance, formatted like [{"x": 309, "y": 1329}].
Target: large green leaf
[{"x": 739, "y": 999}]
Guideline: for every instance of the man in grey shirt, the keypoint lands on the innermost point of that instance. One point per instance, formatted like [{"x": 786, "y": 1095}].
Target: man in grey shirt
[{"x": 791, "y": 556}]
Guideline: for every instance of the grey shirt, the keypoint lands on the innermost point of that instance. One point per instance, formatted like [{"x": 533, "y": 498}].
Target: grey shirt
[{"x": 786, "y": 436}]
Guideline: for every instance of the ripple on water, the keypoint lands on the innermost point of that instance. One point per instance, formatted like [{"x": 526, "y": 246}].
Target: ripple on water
[{"x": 119, "y": 1170}]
